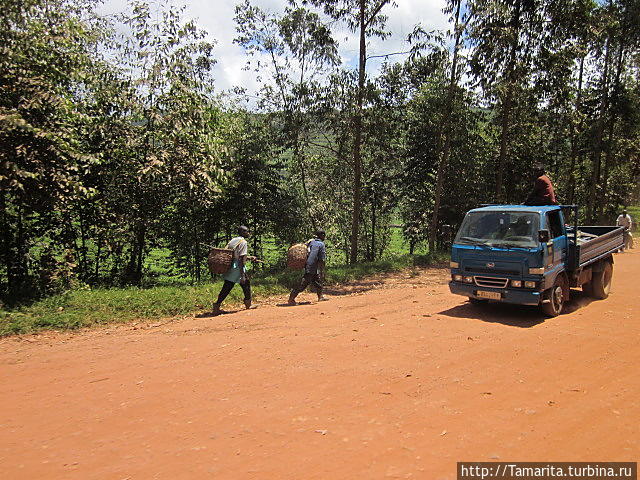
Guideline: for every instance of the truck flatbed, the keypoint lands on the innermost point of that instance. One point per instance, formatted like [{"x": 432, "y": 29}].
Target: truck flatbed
[{"x": 593, "y": 243}]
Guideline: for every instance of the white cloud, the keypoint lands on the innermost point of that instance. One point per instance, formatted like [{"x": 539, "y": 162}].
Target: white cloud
[{"x": 216, "y": 17}]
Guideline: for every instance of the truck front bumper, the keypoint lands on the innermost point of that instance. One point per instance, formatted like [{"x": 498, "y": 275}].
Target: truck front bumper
[{"x": 507, "y": 295}]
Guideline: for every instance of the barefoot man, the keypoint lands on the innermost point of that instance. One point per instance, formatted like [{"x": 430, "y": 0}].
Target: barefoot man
[{"x": 314, "y": 268}]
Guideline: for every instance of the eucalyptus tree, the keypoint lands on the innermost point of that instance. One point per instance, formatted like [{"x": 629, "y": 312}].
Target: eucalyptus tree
[
  {"x": 504, "y": 36},
  {"x": 330, "y": 147},
  {"x": 625, "y": 43},
  {"x": 290, "y": 52},
  {"x": 171, "y": 154},
  {"x": 446, "y": 132},
  {"x": 366, "y": 19}
]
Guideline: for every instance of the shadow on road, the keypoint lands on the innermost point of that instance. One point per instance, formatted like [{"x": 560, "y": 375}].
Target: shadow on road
[
  {"x": 294, "y": 305},
  {"x": 522, "y": 316},
  {"x": 211, "y": 314}
]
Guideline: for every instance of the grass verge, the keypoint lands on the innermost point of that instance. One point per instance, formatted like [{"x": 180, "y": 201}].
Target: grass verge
[{"x": 86, "y": 307}]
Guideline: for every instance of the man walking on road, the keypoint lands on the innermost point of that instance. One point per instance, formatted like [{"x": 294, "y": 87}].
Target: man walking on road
[
  {"x": 237, "y": 273},
  {"x": 624, "y": 220},
  {"x": 542, "y": 193},
  {"x": 314, "y": 268}
]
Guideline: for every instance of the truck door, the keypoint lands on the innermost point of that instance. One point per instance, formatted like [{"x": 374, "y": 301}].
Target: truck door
[{"x": 557, "y": 231}]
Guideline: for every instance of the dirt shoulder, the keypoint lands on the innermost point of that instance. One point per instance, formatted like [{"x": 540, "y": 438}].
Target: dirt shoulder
[{"x": 392, "y": 378}]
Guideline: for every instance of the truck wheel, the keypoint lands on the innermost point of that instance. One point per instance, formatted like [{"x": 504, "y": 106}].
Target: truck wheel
[
  {"x": 555, "y": 297},
  {"x": 601, "y": 282}
]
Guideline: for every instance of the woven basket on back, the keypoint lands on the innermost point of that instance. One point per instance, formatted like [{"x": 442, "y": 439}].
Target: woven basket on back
[
  {"x": 220, "y": 260},
  {"x": 297, "y": 256}
]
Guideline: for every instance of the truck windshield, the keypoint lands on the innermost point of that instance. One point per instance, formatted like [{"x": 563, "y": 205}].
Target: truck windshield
[{"x": 499, "y": 229}]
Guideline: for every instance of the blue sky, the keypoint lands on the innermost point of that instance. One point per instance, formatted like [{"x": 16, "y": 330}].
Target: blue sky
[{"x": 216, "y": 17}]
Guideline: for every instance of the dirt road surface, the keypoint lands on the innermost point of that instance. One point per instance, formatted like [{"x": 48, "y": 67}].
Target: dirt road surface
[{"x": 397, "y": 379}]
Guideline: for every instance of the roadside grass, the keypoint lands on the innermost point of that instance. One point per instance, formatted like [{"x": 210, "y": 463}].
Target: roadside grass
[{"x": 86, "y": 307}]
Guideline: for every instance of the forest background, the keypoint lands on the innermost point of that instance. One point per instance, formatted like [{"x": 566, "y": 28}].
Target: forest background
[{"x": 120, "y": 163}]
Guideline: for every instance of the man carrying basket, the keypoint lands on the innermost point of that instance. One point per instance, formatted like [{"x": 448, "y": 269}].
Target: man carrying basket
[
  {"x": 237, "y": 273},
  {"x": 314, "y": 267}
]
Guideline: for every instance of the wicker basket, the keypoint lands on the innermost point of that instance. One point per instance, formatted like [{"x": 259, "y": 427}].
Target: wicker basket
[
  {"x": 220, "y": 260},
  {"x": 297, "y": 256}
]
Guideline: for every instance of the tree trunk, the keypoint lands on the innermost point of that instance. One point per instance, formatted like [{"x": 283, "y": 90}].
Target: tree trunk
[
  {"x": 373, "y": 226},
  {"x": 357, "y": 160},
  {"x": 597, "y": 153},
  {"x": 97, "y": 264},
  {"x": 141, "y": 240},
  {"x": 196, "y": 239},
  {"x": 6, "y": 242},
  {"x": 84, "y": 267},
  {"x": 507, "y": 104},
  {"x": 447, "y": 130},
  {"x": 303, "y": 179},
  {"x": 133, "y": 273},
  {"x": 574, "y": 137},
  {"x": 601, "y": 207}
]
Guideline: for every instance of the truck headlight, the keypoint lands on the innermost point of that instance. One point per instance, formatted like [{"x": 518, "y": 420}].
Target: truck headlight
[
  {"x": 516, "y": 283},
  {"x": 457, "y": 278},
  {"x": 454, "y": 264},
  {"x": 468, "y": 279},
  {"x": 530, "y": 284}
]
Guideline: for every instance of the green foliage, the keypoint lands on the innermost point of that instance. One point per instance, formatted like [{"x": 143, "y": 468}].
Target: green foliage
[{"x": 119, "y": 166}]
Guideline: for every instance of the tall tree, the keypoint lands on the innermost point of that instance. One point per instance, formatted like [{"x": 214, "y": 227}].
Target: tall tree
[
  {"x": 366, "y": 19},
  {"x": 504, "y": 35},
  {"x": 299, "y": 48},
  {"x": 445, "y": 130},
  {"x": 170, "y": 147}
]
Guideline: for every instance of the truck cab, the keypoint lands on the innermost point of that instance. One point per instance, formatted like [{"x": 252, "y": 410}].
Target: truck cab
[{"x": 527, "y": 255}]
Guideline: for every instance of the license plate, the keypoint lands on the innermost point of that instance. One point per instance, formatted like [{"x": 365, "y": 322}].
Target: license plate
[{"x": 489, "y": 295}]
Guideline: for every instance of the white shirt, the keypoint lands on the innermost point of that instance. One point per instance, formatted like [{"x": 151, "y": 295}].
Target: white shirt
[
  {"x": 624, "y": 221},
  {"x": 239, "y": 246}
]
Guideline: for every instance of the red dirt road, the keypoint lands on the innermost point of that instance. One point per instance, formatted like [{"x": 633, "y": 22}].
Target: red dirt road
[{"x": 397, "y": 381}]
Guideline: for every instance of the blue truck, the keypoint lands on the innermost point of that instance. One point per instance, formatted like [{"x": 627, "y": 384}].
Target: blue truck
[{"x": 528, "y": 255}]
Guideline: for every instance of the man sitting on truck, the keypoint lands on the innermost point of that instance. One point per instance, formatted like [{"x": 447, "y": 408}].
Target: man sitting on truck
[{"x": 542, "y": 193}]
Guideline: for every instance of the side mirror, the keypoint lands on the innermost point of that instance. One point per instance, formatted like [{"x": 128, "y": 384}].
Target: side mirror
[{"x": 543, "y": 236}]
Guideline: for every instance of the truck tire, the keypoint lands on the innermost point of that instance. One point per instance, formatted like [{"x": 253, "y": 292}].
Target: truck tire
[
  {"x": 601, "y": 282},
  {"x": 555, "y": 296}
]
